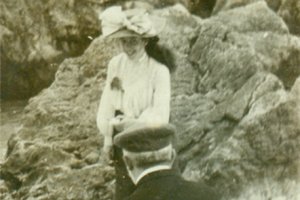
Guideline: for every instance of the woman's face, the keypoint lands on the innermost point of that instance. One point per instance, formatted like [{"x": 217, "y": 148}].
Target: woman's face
[{"x": 133, "y": 46}]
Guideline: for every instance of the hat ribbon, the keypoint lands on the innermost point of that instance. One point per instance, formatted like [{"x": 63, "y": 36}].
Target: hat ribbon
[{"x": 114, "y": 19}]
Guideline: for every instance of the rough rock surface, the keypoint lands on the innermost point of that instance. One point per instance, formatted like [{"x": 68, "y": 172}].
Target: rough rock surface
[
  {"x": 222, "y": 5},
  {"x": 235, "y": 102},
  {"x": 202, "y": 8},
  {"x": 289, "y": 10},
  {"x": 229, "y": 4},
  {"x": 36, "y": 36}
]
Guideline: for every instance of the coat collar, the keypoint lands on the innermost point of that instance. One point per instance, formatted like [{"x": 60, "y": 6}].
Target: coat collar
[{"x": 158, "y": 174}]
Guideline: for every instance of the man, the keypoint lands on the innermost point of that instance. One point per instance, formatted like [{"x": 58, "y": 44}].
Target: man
[{"x": 149, "y": 155}]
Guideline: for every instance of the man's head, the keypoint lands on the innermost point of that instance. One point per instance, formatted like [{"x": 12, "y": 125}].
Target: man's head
[{"x": 147, "y": 146}]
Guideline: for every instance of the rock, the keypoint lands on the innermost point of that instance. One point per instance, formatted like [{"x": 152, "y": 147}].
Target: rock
[
  {"x": 92, "y": 158},
  {"x": 274, "y": 4},
  {"x": 178, "y": 35},
  {"x": 223, "y": 5},
  {"x": 30, "y": 56},
  {"x": 77, "y": 164},
  {"x": 86, "y": 183},
  {"x": 253, "y": 93},
  {"x": 4, "y": 32},
  {"x": 295, "y": 91},
  {"x": 289, "y": 11},
  {"x": 3, "y": 189},
  {"x": 252, "y": 20},
  {"x": 234, "y": 102},
  {"x": 202, "y": 8},
  {"x": 277, "y": 191}
]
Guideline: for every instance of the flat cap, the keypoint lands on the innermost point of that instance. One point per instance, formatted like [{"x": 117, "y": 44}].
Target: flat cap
[{"x": 142, "y": 137}]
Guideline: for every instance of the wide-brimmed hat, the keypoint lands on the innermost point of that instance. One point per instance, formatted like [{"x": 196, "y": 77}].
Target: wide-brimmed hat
[
  {"x": 137, "y": 22},
  {"x": 142, "y": 137}
]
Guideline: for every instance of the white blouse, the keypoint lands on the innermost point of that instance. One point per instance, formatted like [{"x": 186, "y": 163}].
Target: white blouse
[{"x": 141, "y": 90}]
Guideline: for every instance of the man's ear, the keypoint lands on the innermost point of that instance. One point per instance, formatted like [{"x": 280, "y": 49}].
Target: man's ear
[{"x": 128, "y": 162}]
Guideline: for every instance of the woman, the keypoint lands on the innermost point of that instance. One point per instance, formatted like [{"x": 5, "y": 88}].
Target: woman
[{"x": 137, "y": 84}]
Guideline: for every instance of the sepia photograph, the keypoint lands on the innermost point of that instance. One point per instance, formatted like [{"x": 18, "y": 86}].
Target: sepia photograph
[{"x": 150, "y": 100}]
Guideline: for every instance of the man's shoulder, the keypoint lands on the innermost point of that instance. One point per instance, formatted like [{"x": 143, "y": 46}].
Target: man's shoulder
[
  {"x": 196, "y": 190},
  {"x": 156, "y": 185},
  {"x": 173, "y": 188}
]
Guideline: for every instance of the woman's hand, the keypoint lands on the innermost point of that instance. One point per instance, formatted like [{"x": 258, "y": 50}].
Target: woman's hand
[
  {"x": 107, "y": 150},
  {"x": 122, "y": 123},
  {"x": 107, "y": 154}
]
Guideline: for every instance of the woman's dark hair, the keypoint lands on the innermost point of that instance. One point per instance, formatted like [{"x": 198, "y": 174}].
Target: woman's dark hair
[{"x": 160, "y": 53}]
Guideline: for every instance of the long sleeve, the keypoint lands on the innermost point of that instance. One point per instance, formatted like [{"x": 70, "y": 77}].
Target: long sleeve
[
  {"x": 106, "y": 109},
  {"x": 159, "y": 112}
]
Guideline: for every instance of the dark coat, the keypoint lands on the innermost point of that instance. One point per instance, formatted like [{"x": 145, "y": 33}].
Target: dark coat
[{"x": 169, "y": 185}]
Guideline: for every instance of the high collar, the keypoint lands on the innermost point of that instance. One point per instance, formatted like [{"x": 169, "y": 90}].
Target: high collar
[
  {"x": 141, "y": 59},
  {"x": 151, "y": 170},
  {"x": 158, "y": 174}
]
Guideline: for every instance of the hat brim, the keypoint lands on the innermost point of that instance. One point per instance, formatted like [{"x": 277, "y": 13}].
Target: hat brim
[
  {"x": 158, "y": 23},
  {"x": 127, "y": 33}
]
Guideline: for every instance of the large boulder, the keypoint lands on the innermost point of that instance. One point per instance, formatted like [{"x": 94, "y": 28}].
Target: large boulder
[
  {"x": 250, "y": 127},
  {"x": 274, "y": 4},
  {"x": 235, "y": 102},
  {"x": 60, "y": 137},
  {"x": 287, "y": 9},
  {"x": 290, "y": 12},
  {"x": 222, "y": 5},
  {"x": 35, "y": 38},
  {"x": 230, "y": 4}
]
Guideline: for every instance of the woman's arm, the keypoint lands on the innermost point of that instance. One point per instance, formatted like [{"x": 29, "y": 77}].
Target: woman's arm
[
  {"x": 159, "y": 112},
  {"x": 106, "y": 109}
]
